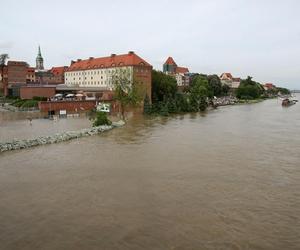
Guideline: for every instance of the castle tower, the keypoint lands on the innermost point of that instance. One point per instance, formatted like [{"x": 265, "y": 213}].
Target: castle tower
[
  {"x": 169, "y": 66},
  {"x": 39, "y": 60}
]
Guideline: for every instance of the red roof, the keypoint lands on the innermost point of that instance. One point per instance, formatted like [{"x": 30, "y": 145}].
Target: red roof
[
  {"x": 170, "y": 61},
  {"x": 58, "y": 70},
  {"x": 270, "y": 85},
  {"x": 30, "y": 69},
  {"x": 182, "y": 70},
  {"x": 228, "y": 75},
  {"x": 130, "y": 59}
]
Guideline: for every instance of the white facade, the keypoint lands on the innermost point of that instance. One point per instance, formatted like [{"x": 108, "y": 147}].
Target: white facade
[{"x": 100, "y": 77}]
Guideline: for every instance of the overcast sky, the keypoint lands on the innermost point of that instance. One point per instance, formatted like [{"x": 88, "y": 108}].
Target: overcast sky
[{"x": 260, "y": 38}]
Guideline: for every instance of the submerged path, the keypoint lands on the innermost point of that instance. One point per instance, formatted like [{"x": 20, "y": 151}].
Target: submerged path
[{"x": 59, "y": 137}]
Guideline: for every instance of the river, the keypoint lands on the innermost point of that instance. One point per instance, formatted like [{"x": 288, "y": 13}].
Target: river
[{"x": 226, "y": 179}]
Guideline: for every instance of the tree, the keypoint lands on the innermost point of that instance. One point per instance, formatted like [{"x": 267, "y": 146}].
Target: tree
[
  {"x": 249, "y": 89},
  {"x": 163, "y": 86},
  {"x": 101, "y": 119},
  {"x": 215, "y": 84},
  {"x": 3, "y": 58},
  {"x": 199, "y": 93},
  {"x": 126, "y": 91}
]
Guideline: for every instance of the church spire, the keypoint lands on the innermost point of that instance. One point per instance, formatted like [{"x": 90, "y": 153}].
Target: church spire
[{"x": 39, "y": 60}]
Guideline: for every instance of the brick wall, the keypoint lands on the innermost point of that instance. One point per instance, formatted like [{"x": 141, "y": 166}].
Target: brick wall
[
  {"x": 71, "y": 106},
  {"x": 143, "y": 77},
  {"x": 27, "y": 92},
  {"x": 16, "y": 72}
]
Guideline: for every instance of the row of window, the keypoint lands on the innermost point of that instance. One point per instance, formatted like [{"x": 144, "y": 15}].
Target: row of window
[
  {"x": 79, "y": 78},
  {"x": 97, "y": 72},
  {"x": 90, "y": 83}
]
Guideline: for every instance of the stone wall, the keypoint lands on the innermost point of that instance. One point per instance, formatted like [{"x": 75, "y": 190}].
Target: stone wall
[{"x": 60, "y": 137}]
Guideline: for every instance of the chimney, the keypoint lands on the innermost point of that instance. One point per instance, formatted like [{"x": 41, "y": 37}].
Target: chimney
[
  {"x": 78, "y": 60},
  {"x": 112, "y": 55},
  {"x": 90, "y": 58},
  {"x": 130, "y": 52},
  {"x": 72, "y": 62}
]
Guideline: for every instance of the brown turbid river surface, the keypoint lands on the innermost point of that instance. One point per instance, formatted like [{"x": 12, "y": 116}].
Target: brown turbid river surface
[{"x": 226, "y": 179}]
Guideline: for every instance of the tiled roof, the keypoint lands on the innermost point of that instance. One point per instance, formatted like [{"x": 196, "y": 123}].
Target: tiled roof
[
  {"x": 130, "y": 59},
  {"x": 269, "y": 85},
  {"x": 58, "y": 70},
  {"x": 170, "y": 61},
  {"x": 30, "y": 69},
  {"x": 182, "y": 70},
  {"x": 228, "y": 75}
]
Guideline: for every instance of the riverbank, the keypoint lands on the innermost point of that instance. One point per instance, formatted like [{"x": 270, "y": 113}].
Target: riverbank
[{"x": 59, "y": 137}]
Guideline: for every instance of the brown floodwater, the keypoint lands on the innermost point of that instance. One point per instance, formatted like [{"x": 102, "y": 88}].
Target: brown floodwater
[{"x": 227, "y": 179}]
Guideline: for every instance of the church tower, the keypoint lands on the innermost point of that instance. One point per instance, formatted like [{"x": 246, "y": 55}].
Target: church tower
[{"x": 39, "y": 60}]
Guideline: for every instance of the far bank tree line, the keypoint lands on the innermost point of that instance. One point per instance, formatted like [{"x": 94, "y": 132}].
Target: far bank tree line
[{"x": 167, "y": 99}]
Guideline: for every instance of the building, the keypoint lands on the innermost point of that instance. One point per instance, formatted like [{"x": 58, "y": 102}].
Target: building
[
  {"x": 93, "y": 76},
  {"x": 39, "y": 60},
  {"x": 30, "y": 77},
  {"x": 269, "y": 86},
  {"x": 230, "y": 81},
  {"x": 181, "y": 74},
  {"x": 16, "y": 76},
  {"x": 58, "y": 74}
]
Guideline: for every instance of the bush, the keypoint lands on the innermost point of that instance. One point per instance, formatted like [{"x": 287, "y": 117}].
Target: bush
[
  {"x": 18, "y": 103},
  {"x": 39, "y": 98},
  {"x": 101, "y": 119}
]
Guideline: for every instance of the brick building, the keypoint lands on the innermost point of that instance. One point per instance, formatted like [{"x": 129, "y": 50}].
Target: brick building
[
  {"x": 16, "y": 77},
  {"x": 30, "y": 77},
  {"x": 94, "y": 75}
]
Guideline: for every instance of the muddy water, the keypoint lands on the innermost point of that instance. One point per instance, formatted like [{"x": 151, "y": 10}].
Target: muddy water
[{"x": 228, "y": 179}]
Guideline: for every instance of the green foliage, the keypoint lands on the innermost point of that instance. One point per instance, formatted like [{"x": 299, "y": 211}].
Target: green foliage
[
  {"x": 126, "y": 91},
  {"x": 215, "y": 85},
  {"x": 25, "y": 103},
  {"x": 199, "y": 92},
  {"x": 30, "y": 104},
  {"x": 39, "y": 98},
  {"x": 101, "y": 119},
  {"x": 163, "y": 86},
  {"x": 249, "y": 89},
  {"x": 283, "y": 91},
  {"x": 18, "y": 103}
]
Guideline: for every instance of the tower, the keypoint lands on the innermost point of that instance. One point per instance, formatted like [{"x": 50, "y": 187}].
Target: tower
[
  {"x": 39, "y": 60},
  {"x": 170, "y": 66}
]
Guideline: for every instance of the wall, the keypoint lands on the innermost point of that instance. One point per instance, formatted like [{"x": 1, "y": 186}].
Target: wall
[
  {"x": 71, "y": 106},
  {"x": 16, "y": 72},
  {"x": 28, "y": 92},
  {"x": 143, "y": 75}
]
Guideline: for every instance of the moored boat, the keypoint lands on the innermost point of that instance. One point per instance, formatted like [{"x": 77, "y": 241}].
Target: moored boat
[{"x": 288, "y": 102}]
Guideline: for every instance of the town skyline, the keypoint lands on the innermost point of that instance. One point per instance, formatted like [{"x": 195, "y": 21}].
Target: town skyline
[{"x": 265, "y": 47}]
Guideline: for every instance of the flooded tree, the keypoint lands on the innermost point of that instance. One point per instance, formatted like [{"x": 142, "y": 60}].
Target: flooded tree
[{"x": 126, "y": 91}]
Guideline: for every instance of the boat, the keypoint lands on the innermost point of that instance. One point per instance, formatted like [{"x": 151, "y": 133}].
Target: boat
[
  {"x": 294, "y": 98},
  {"x": 288, "y": 102}
]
